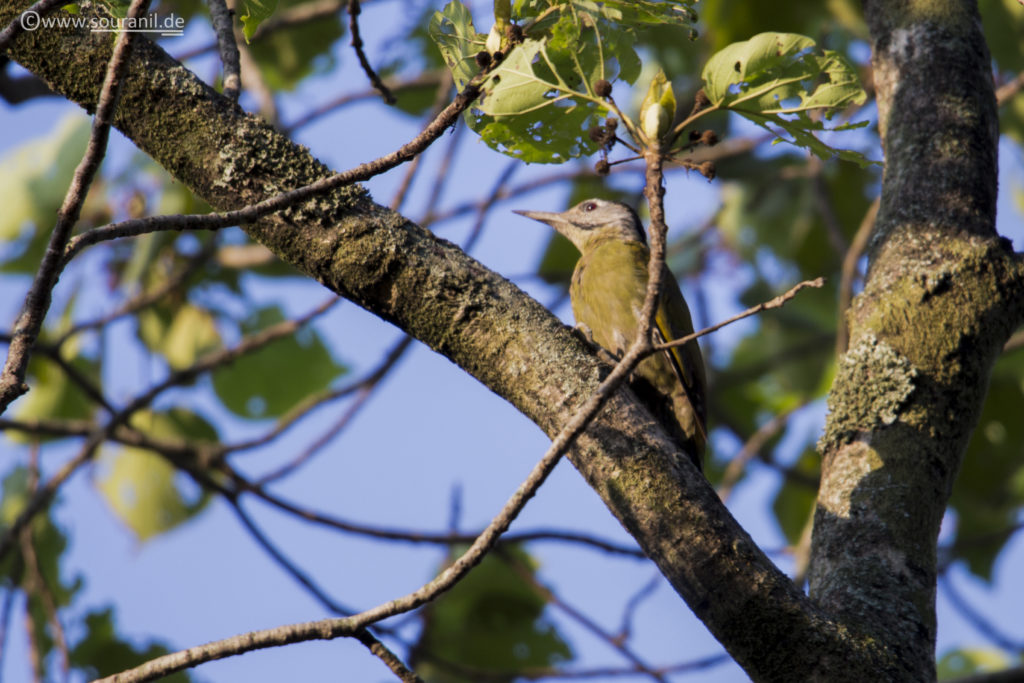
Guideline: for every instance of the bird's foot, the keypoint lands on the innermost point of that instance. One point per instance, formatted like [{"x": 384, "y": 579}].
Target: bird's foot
[{"x": 584, "y": 332}]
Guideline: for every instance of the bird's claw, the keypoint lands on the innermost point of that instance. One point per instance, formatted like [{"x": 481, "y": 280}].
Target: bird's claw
[{"x": 584, "y": 332}]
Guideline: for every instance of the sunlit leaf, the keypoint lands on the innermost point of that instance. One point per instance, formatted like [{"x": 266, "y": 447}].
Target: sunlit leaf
[
  {"x": 777, "y": 79},
  {"x": 967, "y": 661},
  {"x": 254, "y": 13},
  {"x": 539, "y": 103},
  {"x": 180, "y": 336},
  {"x": 33, "y": 180},
  {"x": 143, "y": 488},
  {"x": 453, "y": 32}
]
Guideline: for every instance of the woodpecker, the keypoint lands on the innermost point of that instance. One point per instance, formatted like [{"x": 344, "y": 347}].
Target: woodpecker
[{"x": 607, "y": 291}]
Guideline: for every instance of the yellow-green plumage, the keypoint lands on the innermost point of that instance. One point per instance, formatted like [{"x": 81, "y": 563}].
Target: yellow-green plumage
[{"x": 607, "y": 292}]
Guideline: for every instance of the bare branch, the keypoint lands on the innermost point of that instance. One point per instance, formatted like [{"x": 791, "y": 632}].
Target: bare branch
[
  {"x": 221, "y": 18},
  {"x": 37, "y": 302},
  {"x": 34, "y": 582},
  {"x": 364, "y": 387},
  {"x": 753, "y": 310},
  {"x": 287, "y": 565},
  {"x": 850, "y": 261},
  {"x": 749, "y": 450},
  {"x": 357, "y": 45}
]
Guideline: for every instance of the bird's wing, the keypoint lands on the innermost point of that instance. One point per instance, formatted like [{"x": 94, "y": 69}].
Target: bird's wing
[{"x": 684, "y": 360}]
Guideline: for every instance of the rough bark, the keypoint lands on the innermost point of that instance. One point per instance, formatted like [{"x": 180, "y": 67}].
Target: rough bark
[
  {"x": 509, "y": 342},
  {"x": 941, "y": 297}
]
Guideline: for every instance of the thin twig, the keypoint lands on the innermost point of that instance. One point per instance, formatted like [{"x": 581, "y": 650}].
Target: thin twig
[
  {"x": 753, "y": 310},
  {"x": 364, "y": 387},
  {"x": 34, "y": 583},
  {"x": 975, "y": 618},
  {"x": 208, "y": 362},
  {"x": 407, "y": 536},
  {"x": 849, "y": 273},
  {"x": 287, "y": 565},
  {"x": 440, "y": 97},
  {"x": 633, "y": 603},
  {"x": 37, "y": 301},
  {"x": 321, "y": 442},
  {"x": 255, "y": 83},
  {"x": 86, "y": 385},
  {"x": 348, "y": 626},
  {"x": 221, "y": 18},
  {"x": 40, "y": 499},
  {"x": 390, "y": 659},
  {"x": 5, "y": 621},
  {"x": 1009, "y": 89},
  {"x": 357, "y": 45},
  {"x": 750, "y": 450},
  {"x": 1015, "y": 342},
  {"x": 726, "y": 149},
  {"x": 479, "y": 675},
  {"x": 833, "y": 228},
  {"x": 485, "y": 208}
]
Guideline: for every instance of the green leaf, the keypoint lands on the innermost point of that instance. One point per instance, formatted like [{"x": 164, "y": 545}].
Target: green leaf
[
  {"x": 453, "y": 32},
  {"x": 728, "y": 21},
  {"x": 252, "y": 385},
  {"x": 100, "y": 652},
  {"x": 181, "y": 336},
  {"x": 254, "y": 13},
  {"x": 1004, "y": 33},
  {"x": 289, "y": 54},
  {"x": 633, "y": 12},
  {"x": 532, "y": 113},
  {"x": 53, "y": 393},
  {"x": 777, "y": 79},
  {"x": 143, "y": 488},
  {"x": 492, "y": 621},
  {"x": 33, "y": 180},
  {"x": 539, "y": 103},
  {"x": 48, "y": 540},
  {"x": 967, "y": 661}
]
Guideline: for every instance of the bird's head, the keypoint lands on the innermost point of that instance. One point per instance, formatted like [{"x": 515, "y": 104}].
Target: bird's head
[{"x": 593, "y": 220}]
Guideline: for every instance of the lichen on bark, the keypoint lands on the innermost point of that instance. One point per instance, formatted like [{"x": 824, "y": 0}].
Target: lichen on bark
[{"x": 873, "y": 383}]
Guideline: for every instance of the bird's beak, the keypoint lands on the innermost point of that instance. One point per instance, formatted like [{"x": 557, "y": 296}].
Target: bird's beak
[{"x": 552, "y": 219}]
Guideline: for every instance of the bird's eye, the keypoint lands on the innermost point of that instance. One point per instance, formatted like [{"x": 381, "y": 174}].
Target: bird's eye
[{"x": 590, "y": 206}]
